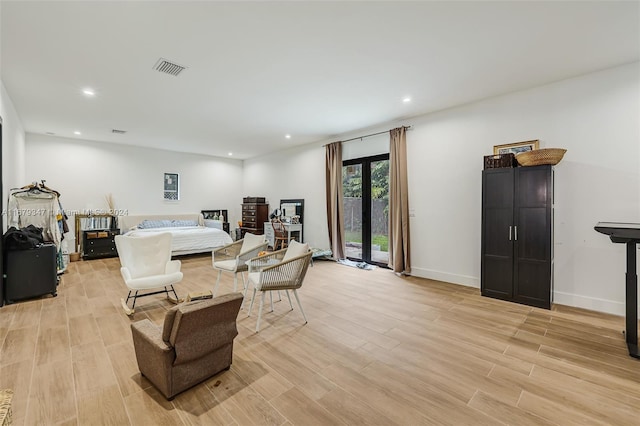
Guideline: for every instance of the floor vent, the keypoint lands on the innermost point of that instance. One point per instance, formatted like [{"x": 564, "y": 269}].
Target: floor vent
[{"x": 168, "y": 67}]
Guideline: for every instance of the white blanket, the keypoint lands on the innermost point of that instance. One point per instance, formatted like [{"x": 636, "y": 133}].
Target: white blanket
[{"x": 190, "y": 239}]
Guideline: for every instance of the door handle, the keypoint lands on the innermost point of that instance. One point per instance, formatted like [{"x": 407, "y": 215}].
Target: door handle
[
  {"x": 515, "y": 232},
  {"x": 510, "y": 232}
]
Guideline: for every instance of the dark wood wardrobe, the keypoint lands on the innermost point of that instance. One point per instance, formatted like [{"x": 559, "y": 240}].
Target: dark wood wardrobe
[
  {"x": 517, "y": 235},
  {"x": 1, "y": 223}
]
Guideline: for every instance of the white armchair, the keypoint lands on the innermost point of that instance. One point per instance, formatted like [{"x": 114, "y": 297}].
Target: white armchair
[
  {"x": 233, "y": 258},
  {"x": 147, "y": 265},
  {"x": 280, "y": 270}
]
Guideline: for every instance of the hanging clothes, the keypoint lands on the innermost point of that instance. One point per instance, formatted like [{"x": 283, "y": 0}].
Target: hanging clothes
[{"x": 39, "y": 206}]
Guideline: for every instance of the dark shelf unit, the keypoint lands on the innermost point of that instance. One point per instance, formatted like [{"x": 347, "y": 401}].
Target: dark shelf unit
[
  {"x": 99, "y": 243},
  {"x": 255, "y": 212},
  {"x": 517, "y": 235},
  {"x": 209, "y": 214}
]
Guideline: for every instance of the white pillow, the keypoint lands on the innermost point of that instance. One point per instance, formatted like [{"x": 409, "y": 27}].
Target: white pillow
[
  {"x": 295, "y": 249},
  {"x": 251, "y": 241},
  {"x": 210, "y": 223}
]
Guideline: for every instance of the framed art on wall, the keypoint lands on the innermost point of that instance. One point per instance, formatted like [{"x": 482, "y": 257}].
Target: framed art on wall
[
  {"x": 171, "y": 187},
  {"x": 516, "y": 148}
]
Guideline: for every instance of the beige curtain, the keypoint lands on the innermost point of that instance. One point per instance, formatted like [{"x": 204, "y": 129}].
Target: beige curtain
[
  {"x": 335, "y": 220},
  {"x": 399, "y": 247}
]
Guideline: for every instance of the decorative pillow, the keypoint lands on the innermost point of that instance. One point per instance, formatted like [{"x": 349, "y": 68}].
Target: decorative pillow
[
  {"x": 251, "y": 241},
  {"x": 295, "y": 249},
  {"x": 149, "y": 224},
  {"x": 166, "y": 223},
  {"x": 184, "y": 223}
]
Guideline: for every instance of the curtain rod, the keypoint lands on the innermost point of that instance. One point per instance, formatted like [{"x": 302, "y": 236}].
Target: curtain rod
[{"x": 367, "y": 136}]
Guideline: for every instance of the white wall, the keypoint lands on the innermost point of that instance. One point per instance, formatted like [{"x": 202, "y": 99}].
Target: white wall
[
  {"x": 366, "y": 147},
  {"x": 13, "y": 146},
  {"x": 296, "y": 173},
  {"x": 595, "y": 117},
  {"x": 84, "y": 172}
]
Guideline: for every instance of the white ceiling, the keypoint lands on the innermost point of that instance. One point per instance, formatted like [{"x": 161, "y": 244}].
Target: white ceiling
[{"x": 259, "y": 70}]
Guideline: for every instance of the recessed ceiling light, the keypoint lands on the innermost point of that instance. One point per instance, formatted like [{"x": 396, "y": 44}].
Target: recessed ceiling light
[
  {"x": 287, "y": 136},
  {"x": 406, "y": 99},
  {"x": 88, "y": 92},
  {"x": 77, "y": 132},
  {"x": 230, "y": 154}
]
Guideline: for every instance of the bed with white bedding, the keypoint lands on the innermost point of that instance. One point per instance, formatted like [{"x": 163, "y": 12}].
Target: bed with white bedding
[{"x": 188, "y": 231}]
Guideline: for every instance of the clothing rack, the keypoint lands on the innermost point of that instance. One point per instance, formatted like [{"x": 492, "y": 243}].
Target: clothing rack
[
  {"x": 34, "y": 187},
  {"x": 39, "y": 205}
]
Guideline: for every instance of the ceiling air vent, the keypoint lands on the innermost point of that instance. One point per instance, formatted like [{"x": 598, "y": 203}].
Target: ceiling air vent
[
  {"x": 168, "y": 67},
  {"x": 119, "y": 132}
]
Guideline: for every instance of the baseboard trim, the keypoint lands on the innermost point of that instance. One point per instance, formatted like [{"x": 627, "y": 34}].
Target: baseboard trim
[
  {"x": 446, "y": 277},
  {"x": 559, "y": 297},
  {"x": 590, "y": 303}
]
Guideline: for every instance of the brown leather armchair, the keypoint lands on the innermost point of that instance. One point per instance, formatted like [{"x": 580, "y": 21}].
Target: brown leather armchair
[{"x": 195, "y": 343}]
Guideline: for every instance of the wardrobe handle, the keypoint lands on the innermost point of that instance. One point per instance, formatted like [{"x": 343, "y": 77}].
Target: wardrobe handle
[
  {"x": 515, "y": 233},
  {"x": 510, "y": 232}
]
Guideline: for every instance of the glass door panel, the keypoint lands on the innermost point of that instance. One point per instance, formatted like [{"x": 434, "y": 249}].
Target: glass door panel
[
  {"x": 379, "y": 211},
  {"x": 365, "y": 186},
  {"x": 352, "y": 209}
]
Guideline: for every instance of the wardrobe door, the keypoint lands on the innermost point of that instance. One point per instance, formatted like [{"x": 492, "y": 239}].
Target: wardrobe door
[
  {"x": 533, "y": 223},
  {"x": 497, "y": 233}
]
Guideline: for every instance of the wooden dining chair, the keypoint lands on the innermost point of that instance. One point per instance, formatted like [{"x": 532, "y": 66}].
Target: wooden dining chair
[{"x": 281, "y": 239}]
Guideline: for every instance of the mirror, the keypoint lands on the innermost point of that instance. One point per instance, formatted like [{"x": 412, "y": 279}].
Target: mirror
[{"x": 291, "y": 208}]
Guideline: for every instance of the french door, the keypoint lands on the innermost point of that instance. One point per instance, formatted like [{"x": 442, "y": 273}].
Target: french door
[{"x": 365, "y": 188}]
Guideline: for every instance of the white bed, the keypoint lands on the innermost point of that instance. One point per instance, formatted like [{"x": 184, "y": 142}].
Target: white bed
[{"x": 192, "y": 238}]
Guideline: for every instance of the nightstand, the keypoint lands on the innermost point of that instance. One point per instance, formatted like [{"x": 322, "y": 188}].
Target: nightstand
[{"x": 99, "y": 243}]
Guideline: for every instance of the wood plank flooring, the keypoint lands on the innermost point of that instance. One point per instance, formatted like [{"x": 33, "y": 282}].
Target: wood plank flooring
[{"x": 378, "y": 350}]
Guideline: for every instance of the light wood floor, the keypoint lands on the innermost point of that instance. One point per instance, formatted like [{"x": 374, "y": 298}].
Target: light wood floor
[{"x": 378, "y": 349}]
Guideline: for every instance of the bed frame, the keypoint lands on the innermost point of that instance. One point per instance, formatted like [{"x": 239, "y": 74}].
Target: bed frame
[{"x": 125, "y": 223}]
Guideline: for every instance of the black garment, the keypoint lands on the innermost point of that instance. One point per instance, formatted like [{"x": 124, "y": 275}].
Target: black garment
[{"x": 22, "y": 239}]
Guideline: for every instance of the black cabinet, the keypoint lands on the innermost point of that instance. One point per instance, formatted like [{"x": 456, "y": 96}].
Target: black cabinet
[
  {"x": 211, "y": 214},
  {"x": 517, "y": 234},
  {"x": 99, "y": 243},
  {"x": 30, "y": 273}
]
